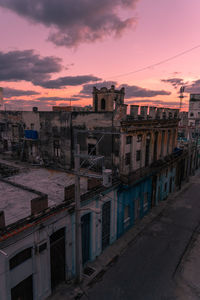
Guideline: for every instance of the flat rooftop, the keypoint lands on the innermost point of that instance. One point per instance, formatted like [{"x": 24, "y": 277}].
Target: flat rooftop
[
  {"x": 47, "y": 181},
  {"x": 15, "y": 202}
]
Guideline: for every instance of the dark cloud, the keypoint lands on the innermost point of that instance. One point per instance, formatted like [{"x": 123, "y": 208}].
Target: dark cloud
[
  {"x": 88, "y": 88},
  {"x": 82, "y": 96},
  {"x": 193, "y": 87},
  {"x": 27, "y": 65},
  {"x": 136, "y": 91},
  {"x": 58, "y": 99},
  {"x": 155, "y": 102},
  {"x": 73, "y": 22},
  {"x": 67, "y": 81},
  {"x": 8, "y": 93},
  {"x": 175, "y": 82},
  {"x": 130, "y": 90},
  {"x": 190, "y": 87}
]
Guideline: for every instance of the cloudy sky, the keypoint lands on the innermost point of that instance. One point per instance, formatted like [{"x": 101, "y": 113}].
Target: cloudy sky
[{"x": 56, "y": 51}]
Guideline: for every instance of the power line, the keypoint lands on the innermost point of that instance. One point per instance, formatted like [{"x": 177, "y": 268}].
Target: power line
[{"x": 156, "y": 64}]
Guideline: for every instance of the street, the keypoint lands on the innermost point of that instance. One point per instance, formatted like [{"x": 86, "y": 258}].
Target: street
[{"x": 149, "y": 268}]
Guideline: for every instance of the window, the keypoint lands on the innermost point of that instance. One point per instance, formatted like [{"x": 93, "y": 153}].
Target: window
[
  {"x": 91, "y": 149},
  {"x": 128, "y": 139},
  {"x": 32, "y": 126},
  {"x": 128, "y": 158},
  {"x": 168, "y": 141},
  {"x": 2, "y": 127},
  {"x": 139, "y": 138},
  {"x": 191, "y": 115},
  {"x": 103, "y": 103},
  {"x": 165, "y": 186},
  {"x": 116, "y": 152},
  {"x": 14, "y": 130},
  {"x": 138, "y": 155},
  {"x": 174, "y": 139},
  {"x": 56, "y": 145},
  {"x": 162, "y": 143},
  {"x": 20, "y": 257}
]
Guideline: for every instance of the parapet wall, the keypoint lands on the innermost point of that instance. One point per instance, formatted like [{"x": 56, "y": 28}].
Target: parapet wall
[{"x": 152, "y": 112}]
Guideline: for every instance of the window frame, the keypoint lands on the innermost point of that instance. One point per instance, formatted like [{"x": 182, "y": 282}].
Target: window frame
[
  {"x": 139, "y": 138},
  {"x": 138, "y": 155},
  {"x": 127, "y": 158},
  {"x": 128, "y": 139}
]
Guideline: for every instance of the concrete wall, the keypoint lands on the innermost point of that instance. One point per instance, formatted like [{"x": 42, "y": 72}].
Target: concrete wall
[{"x": 55, "y": 127}]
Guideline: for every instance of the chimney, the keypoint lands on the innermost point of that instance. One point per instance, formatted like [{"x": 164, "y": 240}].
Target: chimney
[
  {"x": 143, "y": 112},
  {"x": 39, "y": 204},
  {"x": 152, "y": 112},
  {"x": 2, "y": 220},
  {"x": 70, "y": 193},
  {"x": 134, "y": 111}
]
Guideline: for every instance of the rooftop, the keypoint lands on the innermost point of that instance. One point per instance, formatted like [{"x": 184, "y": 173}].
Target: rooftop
[
  {"x": 15, "y": 202},
  {"x": 17, "y": 191}
]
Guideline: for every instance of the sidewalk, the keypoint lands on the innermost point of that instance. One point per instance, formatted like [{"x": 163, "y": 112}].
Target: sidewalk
[
  {"x": 111, "y": 254},
  {"x": 188, "y": 277}
]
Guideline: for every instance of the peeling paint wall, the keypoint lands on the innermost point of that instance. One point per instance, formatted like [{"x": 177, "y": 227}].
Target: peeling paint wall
[{"x": 138, "y": 200}]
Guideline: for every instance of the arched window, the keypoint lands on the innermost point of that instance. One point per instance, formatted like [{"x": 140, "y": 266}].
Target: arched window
[{"x": 103, "y": 103}]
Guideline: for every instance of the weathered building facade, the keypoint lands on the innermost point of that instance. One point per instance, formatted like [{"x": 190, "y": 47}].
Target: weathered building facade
[
  {"x": 37, "y": 244},
  {"x": 48, "y": 137},
  {"x": 37, "y": 235}
]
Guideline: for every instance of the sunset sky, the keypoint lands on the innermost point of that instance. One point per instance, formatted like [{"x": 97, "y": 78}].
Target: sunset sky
[{"x": 56, "y": 50}]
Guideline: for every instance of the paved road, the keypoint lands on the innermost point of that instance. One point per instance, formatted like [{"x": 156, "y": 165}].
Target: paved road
[{"x": 146, "y": 269}]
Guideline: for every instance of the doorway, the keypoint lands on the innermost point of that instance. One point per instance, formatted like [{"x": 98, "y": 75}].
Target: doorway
[
  {"x": 106, "y": 224},
  {"x": 85, "y": 232},
  {"x": 24, "y": 290},
  {"x": 57, "y": 253}
]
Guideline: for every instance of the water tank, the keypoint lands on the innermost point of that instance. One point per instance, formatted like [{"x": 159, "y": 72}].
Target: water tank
[{"x": 107, "y": 177}]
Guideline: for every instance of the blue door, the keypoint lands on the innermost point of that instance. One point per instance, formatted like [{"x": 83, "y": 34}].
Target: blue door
[{"x": 85, "y": 230}]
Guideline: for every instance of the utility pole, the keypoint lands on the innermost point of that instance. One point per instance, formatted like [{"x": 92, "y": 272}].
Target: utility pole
[
  {"x": 78, "y": 216},
  {"x": 78, "y": 174}
]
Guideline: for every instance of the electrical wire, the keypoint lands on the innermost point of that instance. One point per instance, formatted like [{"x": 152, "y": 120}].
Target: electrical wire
[{"x": 156, "y": 64}]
